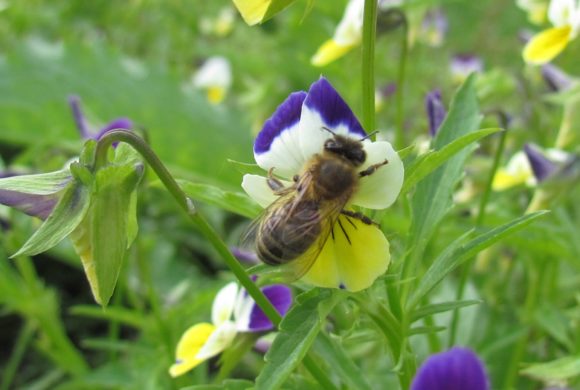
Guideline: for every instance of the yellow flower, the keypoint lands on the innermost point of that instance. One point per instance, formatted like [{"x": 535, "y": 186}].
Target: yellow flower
[{"x": 546, "y": 45}]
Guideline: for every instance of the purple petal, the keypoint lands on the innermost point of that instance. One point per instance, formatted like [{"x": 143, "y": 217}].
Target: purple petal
[
  {"x": 324, "y": 99},
  {"x": 32, "y": 204},
  {"x": 245, "y": 256},
  {"x": 541, "y": 166},
  {"x": 456, "y": 369},
  {"x": 556, "y": 79},
  {"x": 119, "y": 123},
  {"x": 286, "y": 115},
  {"x": 435, "y": 111},
  {"x": 75, "y": 104},
  {"x": 281, "y": 298}
]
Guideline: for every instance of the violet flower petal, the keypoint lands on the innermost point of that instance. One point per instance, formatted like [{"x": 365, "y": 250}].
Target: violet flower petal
[
  {"x": 541, "y": 166},
  {"x": 82, "y": 125},
  {"x": 281, "y": 298},
  {"x": 456, "y": 369},
  {"x": 435, "y": 111}
]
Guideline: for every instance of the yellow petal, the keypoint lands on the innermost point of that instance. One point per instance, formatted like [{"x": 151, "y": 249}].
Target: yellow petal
[
  {"x": 189, "y": 345},
  {"x": 352, "y": 258},
  {"x": 546, "y": 45},
  {"x": 216, "y": 95},
  {"x": 328, "y": 52},
  {"x": 504, "y": 179},
  {"x": 252, "y": 11}
]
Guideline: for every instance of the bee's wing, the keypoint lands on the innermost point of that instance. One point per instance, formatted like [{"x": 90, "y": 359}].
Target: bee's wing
[{"x": 328, "y": 215}]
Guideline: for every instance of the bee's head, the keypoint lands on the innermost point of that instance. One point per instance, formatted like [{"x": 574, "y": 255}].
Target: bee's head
[{"x": 347, "y": 148}]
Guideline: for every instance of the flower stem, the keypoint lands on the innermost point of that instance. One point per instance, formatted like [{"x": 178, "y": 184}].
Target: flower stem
[
  {"x": 186, "y": 204},
  {"x": 399, "y": 131},
  {"x": 368, "y": 65},
  {"x": 206, "y": 230}
]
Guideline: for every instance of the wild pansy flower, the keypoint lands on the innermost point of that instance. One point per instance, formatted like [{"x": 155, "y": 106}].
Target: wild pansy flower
[
  {"x": 87, "y": 130},
  {"x": 435, "y": 111},
  {"x": 546, "y": 45},
  {"x": 93, "y": 205},
  {"x": 215, "y": 77},
  {"x": 462, "y": 65},
  {"x": 456, "y": 369},
  {"x": 220, "y": 25},
  {"x": 434, "y": 27},
  {"x": 294, "y": 134},
  {"x": 536, "y": 10},
  {"x": 529, "y": 166},
  {"x": 233, "y": 311},
  {"x": 348, "y": 34}
]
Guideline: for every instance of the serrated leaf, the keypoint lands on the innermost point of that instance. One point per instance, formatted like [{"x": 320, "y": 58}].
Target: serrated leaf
[
  {"x": 433, "y": 197},
  {"x": 436, "y": 308},
  {"x": 337, "y": 358},
  {"x": 451, "y": 258},
  {"x": 298, "y": 331},
  {"x": 236, "y": 202},
  {"x": 555, "y": 371},
  {"x": 66, "y": 216},
  {"x": 230, "y": 384},
  {"x": 434, "y": 159}
]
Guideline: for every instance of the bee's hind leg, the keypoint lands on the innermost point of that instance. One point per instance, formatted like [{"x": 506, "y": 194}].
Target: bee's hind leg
[
  {"x": 360, "y": 216},
  {"x": 275, "y": 185},
  {"x": 372, "y": 169}
]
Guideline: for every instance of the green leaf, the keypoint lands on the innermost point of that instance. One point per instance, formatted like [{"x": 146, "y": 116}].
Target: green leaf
[
  {"x": 298, "y": 331},
  {"x": 553, "y": 321},
  {"x": 118, "y": 314},
  {"x": 436, "y": 308},
  {"x": 66, "y": 216},
  {"x": 434, "y": 159},
  {"x": 102, "y": 238},
  {"x": 244, "y": 168},
  {"x": 433, "y": 197},
  {"x": 426, "y": 330},
  {"x": 334, "y": 355},
  {"x": 275, "y": 7},
  {"x": 230, "y": 384},
  {"x": 236, "y": 202},
  {"x": 555, "y": 371},
  {"x": 460, "y": 252}
]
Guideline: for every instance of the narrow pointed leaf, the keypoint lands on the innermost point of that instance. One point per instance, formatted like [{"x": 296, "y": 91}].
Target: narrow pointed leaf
[
  {"x": 298, "y": 331},
  {"x": 436, "y": 308},
  {"x": 555, "y": 371},
  {"x": 66, "y": 216},
  {"x": 236, "y": 202},
  {"x": 434, "y": 159},
  {"x": 450, "y": 259},
  {"x": 229, "y": 384}
]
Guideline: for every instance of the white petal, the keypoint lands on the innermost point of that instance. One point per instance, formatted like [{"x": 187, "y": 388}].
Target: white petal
[
  {"x": 218, "y": 341},
  {"x": 349, "y": 30},
  {"x": 561, "y": 12},
  {"x": 215, "y": 72},
  {"x": 257, "y": 188},
  {"x": 223, "y": 304},
  {"x": 284, "y": 155},
  {"x": 380, "y": 190},
  {"x": 244, "y": 307}
]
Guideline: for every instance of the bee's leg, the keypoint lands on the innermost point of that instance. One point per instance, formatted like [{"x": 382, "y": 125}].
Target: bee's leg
[
  {"x": 370, "y": 170},
  {"x": 360, "y": 216},
  {"x": 275, "y": 185}
]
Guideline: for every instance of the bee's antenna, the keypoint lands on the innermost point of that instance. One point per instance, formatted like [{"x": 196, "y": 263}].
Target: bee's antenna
[
  {"x": 330, "y": 131},
  {"x": 369, "y": 135}
]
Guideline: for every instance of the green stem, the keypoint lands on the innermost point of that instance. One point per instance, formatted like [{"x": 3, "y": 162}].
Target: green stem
[
  {"x": 206, "y": 230},
  {"x": 368, "y": 65},
  {"x": 466, "y": 269},
  {"x": 400, "y": 130}
]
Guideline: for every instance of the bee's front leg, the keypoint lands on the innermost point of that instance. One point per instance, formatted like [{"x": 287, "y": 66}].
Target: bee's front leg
[
  {"x": 360, "y": 216},
  {"x": 275, "y": 185},
  {"x": 370, "y": 170}
]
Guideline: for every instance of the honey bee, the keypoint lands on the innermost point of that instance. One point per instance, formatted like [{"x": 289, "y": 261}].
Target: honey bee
[{"x": 294, "y": 228}]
